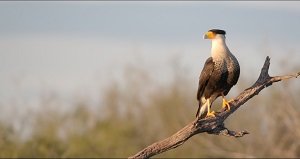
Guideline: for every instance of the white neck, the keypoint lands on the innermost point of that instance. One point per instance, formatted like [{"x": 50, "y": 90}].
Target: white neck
[{"x": 219, "y": 48}]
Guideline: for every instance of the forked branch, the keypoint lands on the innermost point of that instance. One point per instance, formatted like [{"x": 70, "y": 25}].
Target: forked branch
[{"x": 215, "y": 125}]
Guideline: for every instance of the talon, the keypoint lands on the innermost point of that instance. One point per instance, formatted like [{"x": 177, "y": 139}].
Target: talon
[
  {"x": 226, "y": 104},
  {"x": 210, "y": 114}
]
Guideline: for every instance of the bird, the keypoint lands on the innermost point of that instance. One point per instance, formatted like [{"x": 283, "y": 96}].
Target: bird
[{"x": 220, "y": 73}]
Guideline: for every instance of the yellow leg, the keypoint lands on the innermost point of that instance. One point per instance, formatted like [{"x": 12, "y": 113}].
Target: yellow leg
[
  {"x": 209, "y": 113},
  {"x": 225, "y": 103}
]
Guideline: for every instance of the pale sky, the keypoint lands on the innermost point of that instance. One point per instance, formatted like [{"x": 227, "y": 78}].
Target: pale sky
[{"x": 78, "y": 47}]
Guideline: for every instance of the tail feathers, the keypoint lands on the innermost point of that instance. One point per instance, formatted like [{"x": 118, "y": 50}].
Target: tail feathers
[
  {"x": 202, "y": 110},
  {"x": 198, "y": 110}
]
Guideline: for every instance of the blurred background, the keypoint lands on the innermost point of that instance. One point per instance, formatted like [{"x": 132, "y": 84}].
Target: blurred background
[{"x": 106, "y": 79}]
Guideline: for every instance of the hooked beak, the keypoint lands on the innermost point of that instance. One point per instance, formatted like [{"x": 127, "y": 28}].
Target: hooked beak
[
  {"x": 205, "y": 36},
  {"x": 209, "y": 35}
]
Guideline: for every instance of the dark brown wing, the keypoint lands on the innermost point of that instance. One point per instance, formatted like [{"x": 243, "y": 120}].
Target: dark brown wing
[
  {"x": 203, "y": 80},
  {"x": 204, "y": 77},
  {"x": 236, "y": 74}
]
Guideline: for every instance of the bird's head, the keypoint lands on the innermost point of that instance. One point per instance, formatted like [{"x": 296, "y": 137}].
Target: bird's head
[{"x": 214, "y": 33}]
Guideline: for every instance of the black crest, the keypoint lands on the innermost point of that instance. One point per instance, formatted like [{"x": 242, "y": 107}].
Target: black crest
[{"x": 218, "y": 31}]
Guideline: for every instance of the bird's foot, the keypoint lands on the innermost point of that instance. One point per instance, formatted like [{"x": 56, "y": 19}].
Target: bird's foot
[
  {"x": 211, "y": 114},
  {"x": 226, "y": 104}
]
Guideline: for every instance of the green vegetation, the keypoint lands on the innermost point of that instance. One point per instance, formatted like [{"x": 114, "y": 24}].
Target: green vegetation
[{"x": 137, "y": 112}]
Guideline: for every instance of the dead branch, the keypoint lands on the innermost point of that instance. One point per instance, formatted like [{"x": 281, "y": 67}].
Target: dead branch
[{"x": 215, "y": 125}]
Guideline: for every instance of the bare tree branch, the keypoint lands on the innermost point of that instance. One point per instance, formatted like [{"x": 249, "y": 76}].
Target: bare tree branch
[{"x": 214, "y": 125}]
